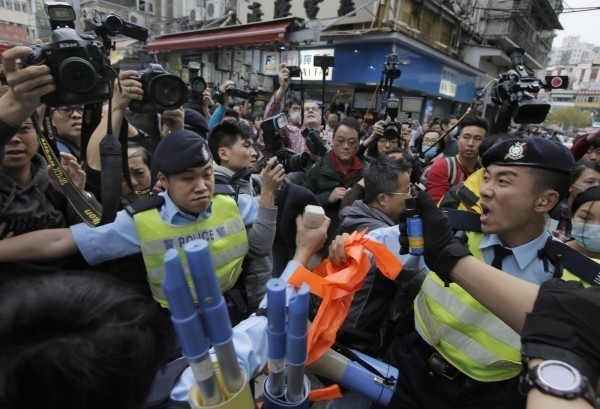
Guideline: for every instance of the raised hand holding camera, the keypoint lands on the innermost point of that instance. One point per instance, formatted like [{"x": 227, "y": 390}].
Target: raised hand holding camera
[{"x": 162, "y": 91}]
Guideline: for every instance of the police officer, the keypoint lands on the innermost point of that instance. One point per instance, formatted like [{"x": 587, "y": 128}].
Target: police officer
[
  {"x": 461, "y": 355},
  {"x": 558, "y": 320},
  {"x": 186, "y": 211}
]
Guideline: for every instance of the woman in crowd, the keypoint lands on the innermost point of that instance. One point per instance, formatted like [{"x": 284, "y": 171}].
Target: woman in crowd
[
  {"x": 585, "y": 175},
  {"x": 586, "y": 223}
]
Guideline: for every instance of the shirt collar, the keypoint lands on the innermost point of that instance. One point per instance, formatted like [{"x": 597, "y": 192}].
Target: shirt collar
[
  {"x": 525, "y": 253},
  {"x": 171, "y": 214}
]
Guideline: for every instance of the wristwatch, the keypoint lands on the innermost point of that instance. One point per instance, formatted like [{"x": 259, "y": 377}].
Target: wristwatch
[{"x": 558, "y": 379}]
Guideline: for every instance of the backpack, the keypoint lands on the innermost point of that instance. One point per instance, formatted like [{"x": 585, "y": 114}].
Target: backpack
[{"x": 452, "y": 164}]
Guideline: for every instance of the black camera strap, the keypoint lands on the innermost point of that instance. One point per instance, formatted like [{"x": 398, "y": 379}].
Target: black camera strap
[
  {"x": 92, "y": 115},
  {"x": 111, "y": 162},
  {"x": 89, "y": 212}
]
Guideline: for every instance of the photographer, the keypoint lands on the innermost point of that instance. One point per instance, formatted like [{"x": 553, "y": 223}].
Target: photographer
[
  {"x": 25, "y": 88},
  {"x": 223, "y": 112},
  {"x": 312, "y": 114}
]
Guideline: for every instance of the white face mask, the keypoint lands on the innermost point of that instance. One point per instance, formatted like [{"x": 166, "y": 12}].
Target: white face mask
[
  {"x": 453, "y": 132},
  {"x": 587, "y": 236},
  {"x": 295, "y": 117}
]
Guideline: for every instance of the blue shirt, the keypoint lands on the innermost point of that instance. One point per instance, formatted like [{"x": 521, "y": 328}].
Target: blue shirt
[
  {"x": 524, "y": 262},
  {"x": 119, "y": 238}
]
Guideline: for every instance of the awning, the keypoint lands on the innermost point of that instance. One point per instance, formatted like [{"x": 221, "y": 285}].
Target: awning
[{"x": 263, "y": 32}]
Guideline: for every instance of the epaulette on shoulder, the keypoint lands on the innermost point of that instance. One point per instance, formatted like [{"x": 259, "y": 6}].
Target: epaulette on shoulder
[
  {"x": 224, "y": 189},
  {"x": 151, "y": 203}
]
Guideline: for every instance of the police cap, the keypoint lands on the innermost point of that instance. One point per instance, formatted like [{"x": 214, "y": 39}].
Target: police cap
[
  {"x": 180, "y": 151},
  {"x": 195, "y": 121},
  {"x": 530, "y": 152}
]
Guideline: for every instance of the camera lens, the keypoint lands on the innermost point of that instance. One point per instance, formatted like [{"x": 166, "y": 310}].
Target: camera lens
[
  {"x": 198, "y": 84},
  {"x": 391, "y": 131},
  {"x": 113, "y": 24},
  {"x": 77, "y": 74},
  {"x": 300, "y": 162},
  {"x": 168, "y": 91}
]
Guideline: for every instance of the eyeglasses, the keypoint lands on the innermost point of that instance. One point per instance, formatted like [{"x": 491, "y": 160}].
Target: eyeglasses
[
  {"x": 66, "y": 111},
  {"x": 412, "y": 192},
  {"x": 342, "y": 142},
  {"x": 384, "y": 141}
]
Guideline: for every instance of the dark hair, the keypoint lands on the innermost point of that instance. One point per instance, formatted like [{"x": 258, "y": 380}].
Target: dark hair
[
  {"x": 441, "y": 144},
  {"x": 225, "y": 135},
  {"x": 231, "y": 112},
  {"x": 446, "y": 121},
  {"x": 144, "y": 153},
  {"x": 580, "y": 167},
  {"x": 434, "y": 122},
  {"x": 473, "y": 120},
  {"x": 91, "y": 341},
  {"x": 546, "y": 179},
  {"x": 350, "y": 123},
  {"x": 372, "y": 150},
  {"x": 381, "y": 176},
  {"x": 492, "y": 140},
  {"x": 294, "y": 101},
  {"x": 591, "y": 194}
]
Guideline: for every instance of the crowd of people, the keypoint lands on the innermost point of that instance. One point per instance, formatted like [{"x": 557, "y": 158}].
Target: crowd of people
[{"x": 83, "y": 316}]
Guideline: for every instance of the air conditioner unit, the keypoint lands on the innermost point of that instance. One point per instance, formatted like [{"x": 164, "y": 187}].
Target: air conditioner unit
[
  {"x": 136, "y": 18},
  {"x": 215, "y": 9},
  {"x": 198, "y": 14}
]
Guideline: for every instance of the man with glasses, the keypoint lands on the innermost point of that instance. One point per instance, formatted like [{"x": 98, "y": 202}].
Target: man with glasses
[
  {"x": 447, "y": 172},
  {"x": 67, "y": 121},
  {"x": 334, "y": 173}
]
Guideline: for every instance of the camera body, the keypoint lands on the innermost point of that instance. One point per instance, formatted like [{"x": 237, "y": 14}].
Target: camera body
[
  {"x": 162, "y": 91},
  {"x": 390, "y": 68},
  {"x": 294, "y": 70},
  {"x": 290, "y": 159},
  {"x": 79, "y": 65},
  {"x": 515, "y": 88},
  {"x": 315, "y": 144},
  {"x": 114, "y": 25},
  {"x": 232, "y": 91},
  {"x": 393, "y": 129}
]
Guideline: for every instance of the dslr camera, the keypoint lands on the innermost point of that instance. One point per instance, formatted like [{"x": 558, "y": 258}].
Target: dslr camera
[
  {"x": 393, "y": 129},
  {"x": 232, "y": 91},
  {"x": 162, "y": 91},
  {"x": 289, "y": 158},
  {"x": 294, "y": 71},
  {"x": 78, "y": 62}
]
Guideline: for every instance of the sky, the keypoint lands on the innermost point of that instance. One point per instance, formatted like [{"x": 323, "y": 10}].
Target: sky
[{"x": 581, "y": 24}]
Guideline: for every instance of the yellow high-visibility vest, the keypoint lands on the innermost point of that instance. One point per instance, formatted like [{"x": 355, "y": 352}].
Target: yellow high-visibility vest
[
  {"x": 224, "y": 230},
  {"x": 464, "y": 332}
]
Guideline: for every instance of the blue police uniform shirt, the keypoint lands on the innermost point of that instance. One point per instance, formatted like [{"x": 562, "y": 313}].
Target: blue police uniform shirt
[
  {"x": 119, "y": 238},
  {"x": 524, "y": 262}
]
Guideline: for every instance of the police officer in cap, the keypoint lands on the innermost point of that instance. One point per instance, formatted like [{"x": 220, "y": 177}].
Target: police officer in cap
[
  {"x": 186, "y": 211},
  {"x": 461, "y": 355}
]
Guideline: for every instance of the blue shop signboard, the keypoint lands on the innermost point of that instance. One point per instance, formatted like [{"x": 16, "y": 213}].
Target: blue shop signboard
[{"x": 362, "y": 63}]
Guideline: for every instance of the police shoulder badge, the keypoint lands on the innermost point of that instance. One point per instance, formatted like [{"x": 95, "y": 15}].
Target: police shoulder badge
[
  {"x": 204, "y": 153},
  {"x": 517, "y": 151}
]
